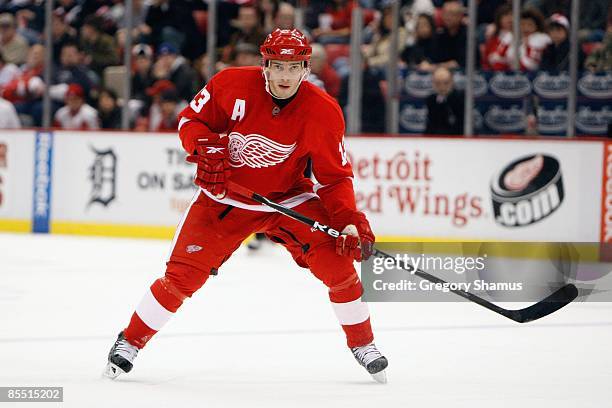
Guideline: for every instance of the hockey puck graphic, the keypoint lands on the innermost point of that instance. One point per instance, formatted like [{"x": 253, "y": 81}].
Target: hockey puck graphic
[{"x": 527, "y": 190}]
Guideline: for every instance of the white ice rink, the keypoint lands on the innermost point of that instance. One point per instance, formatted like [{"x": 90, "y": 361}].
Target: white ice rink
[{"x": 262, "y": 333}]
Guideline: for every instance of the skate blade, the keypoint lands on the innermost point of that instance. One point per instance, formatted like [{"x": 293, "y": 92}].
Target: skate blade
[
  {"x": 380, "y": 377},
  {"x": 112, "y": 371}
]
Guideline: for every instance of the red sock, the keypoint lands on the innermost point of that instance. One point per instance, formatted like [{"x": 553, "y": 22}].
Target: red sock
[
  {"x": 352, "y": 314},
  {"x": 154, "y": 310}
]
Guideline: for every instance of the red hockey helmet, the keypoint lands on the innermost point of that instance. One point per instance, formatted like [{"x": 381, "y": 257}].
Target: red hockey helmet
[{"x": 286, "y": 45}]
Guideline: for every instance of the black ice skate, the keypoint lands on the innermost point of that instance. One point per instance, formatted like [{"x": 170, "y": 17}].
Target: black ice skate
[
  {"x": 373, "y": 361},
  {"x": 120, "y": 358}
]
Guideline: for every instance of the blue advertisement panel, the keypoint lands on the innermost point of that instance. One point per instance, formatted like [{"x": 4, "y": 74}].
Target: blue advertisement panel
[{"x": 504, "y": 102}]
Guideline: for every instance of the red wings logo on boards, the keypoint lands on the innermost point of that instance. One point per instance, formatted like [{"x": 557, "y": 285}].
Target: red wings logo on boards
[
  {"x": 606, "y": 196},
  {"x": 3, "y": 154},
  {"x": 256, "y": 151}
]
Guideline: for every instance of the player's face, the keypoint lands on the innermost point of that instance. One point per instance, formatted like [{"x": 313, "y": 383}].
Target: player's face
[{"x": 284, "y": 77}]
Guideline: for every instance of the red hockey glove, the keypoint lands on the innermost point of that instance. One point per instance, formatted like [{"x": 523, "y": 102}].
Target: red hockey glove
[
  {"x": 358, "y": 239},
  {"x": 212, "y": 158}
]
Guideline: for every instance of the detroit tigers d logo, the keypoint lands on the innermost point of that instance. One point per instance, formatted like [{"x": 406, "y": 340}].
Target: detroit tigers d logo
[{"x": 256, "y": 151}]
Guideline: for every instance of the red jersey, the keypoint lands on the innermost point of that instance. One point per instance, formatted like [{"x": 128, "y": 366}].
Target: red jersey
[
  {"x": 270, "y": 147},
  {"x": 496, "y": 50}
]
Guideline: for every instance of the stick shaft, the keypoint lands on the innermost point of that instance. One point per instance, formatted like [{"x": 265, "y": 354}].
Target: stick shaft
[{"x": 552, "y": 303}]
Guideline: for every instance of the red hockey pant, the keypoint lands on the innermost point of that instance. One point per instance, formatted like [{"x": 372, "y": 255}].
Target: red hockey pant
[{"x": 210, "y": 232}]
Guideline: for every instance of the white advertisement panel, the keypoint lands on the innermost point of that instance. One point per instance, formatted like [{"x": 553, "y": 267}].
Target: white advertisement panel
[
  {"x": 527, "y": 190},
  {"x": 120, "y": 178},
  {"x": 16, "y": 174}
]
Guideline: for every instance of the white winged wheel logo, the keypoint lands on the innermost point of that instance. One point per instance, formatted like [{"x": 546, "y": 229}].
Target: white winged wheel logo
[{"x": 256, "y": 151}]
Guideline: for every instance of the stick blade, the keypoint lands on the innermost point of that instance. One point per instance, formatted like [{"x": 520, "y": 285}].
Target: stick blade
[{"x": 559, "y": 299}]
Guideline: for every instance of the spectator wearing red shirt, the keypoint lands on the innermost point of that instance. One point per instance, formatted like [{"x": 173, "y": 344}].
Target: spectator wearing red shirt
[
  {"x": 26, "y": 89},
  {"x": 335, "y": 23},
  {"x": 321, "y": 68},
  {"x": 495, "y": 51}
]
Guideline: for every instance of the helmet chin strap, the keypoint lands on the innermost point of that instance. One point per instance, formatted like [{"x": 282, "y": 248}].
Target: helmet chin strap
[{"x": 268, "y": 90}]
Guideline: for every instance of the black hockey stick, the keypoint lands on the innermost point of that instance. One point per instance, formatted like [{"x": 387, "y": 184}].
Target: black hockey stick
[{"x": 560, "y": 298}]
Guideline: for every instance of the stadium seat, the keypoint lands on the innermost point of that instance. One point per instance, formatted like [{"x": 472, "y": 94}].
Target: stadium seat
[
  {"x": 113, "y": 78},
  {"x": 335, "y": 51}
]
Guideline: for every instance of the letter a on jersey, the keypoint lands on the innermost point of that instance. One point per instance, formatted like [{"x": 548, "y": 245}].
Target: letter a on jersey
[{"x": 239, "y": 109}]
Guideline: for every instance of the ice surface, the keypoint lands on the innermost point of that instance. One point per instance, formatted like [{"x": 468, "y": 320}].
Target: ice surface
[{"x": 262, "y": 333}]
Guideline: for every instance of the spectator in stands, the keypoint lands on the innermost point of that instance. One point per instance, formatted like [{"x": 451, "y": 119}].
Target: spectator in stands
[
  {"x": 8, "y": 115},
  {"x": 142, "y": 75},
  {"x": 372, "y": 100},
  {"x": 592, "y": 15},
  {"x": 164, "y": 21},
  {"x": 495, "y": 53},
  {"x": 150, "y": 118},
  {"x": 592, "y": 19},
  {"x": 30, "y": 22},
  {"x": 61, "y": 33},
  {"x": 109, "y": 113},
  {"x": 324, "y": 72},
  {"x": 445, "y": 107},
  {"x": 99, "y": 48},
  {"x": 8, "y": 71},
  {"x": 168, "y": 104},
  {"x": 248, "y": 30},
  {"x": 246, "y": 55},
  {"x": 26, "y": 89},
  {"x": 411, "y": 14},
  {"x": 76, "y": 114},
  {"x": 141, "y": 32},
  {"x": 533, "y": 40},
  {"x": 72, "y": 70},
  {"x": 421, "y": 54},
  {"x": 450, "y": 41},
  {"x": 378, "y": 51},
  {"x": 556, "y": 55},
  {"x": 200, "y": 67},
  {"x": 158, "y": 88},
  {"x": 267, "y": 11},
  {"x": 335, "y": 23},
  {"x": 284, "y": 18},
  {"x": 71, "y": 10},
  {"x": 172, "y": 22},
  {"x": 171, "y": 66},
  {"x": 601, "y": 59},
  {"x": 13, "y": 46}
]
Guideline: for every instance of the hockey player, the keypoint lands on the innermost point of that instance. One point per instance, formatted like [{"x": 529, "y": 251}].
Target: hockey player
[{"x": 258, "y": 126}]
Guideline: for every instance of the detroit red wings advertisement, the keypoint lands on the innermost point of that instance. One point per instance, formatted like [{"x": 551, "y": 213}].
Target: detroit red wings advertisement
[
  {"x": 606, "y": 198},
  {"x": 445, "y": 188}
]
